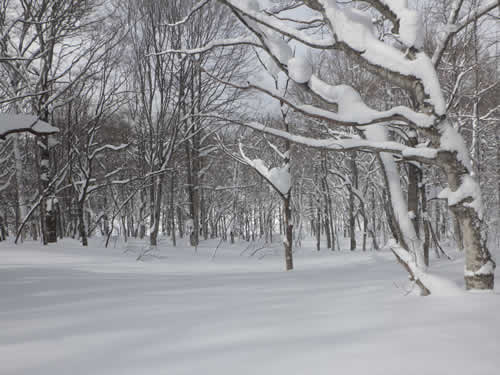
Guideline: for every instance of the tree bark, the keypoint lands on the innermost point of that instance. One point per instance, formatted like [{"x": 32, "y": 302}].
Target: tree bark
[
  {"x": 81, "y": 225},
  {"x": 288, "y": 232},
  {"x": 156, "y": 213},
  {"x": 354, "y": 182},
  {"x": 479, "y": 265}
]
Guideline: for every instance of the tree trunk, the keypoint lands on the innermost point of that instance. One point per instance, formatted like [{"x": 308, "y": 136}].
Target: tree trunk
[
  {"x": 413, "y": 173},
  {"x": 81, "y": 225},
  {"x": 425, "y": 219},
  {"x": 318, "y": 228},
  {"x": 479, "y": 265},
  {"x": 288, "y": 232},
  {"x": 457, "y": 233},
  {"x": 354, "y": 182},
  {"x": 156, "y": 213},
  {"x": 48, "y": 216},
  {"x": 172, "y": 209}
]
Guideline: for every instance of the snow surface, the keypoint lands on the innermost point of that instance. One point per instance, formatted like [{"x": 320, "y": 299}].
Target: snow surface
[{"x": 69, "y": 310}]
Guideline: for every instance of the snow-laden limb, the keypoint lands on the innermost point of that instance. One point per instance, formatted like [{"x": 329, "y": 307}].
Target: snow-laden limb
[
  {"x": 355, "y": 30},
  {"x": 467, "y": 194},
  {"x": 423, "y": 154},
  {"x": 230, "y": 42},
  {"x": 98, "y": 150},
  {"x": 299, "y": 69},
  {"x": 198, "y": 6},
  {"x": 251, "y": 12},
  {"x": 284, "y": 156},
  {"x": 351, "y": 105},
  {"x": 405, "y": 258},
  {"x": 14, "y": 123},
  {"x": 409, "y": 23},
  {"x": 399, "y": 204},
  {"x": 278, "y": 177},
  {"x": 432, "y": 283},
  {"x": 352, "y": 111},
  {"x": 452, "y": 141}
]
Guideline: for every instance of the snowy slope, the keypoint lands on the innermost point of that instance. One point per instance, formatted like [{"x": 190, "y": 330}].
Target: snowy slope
[{"x": 67, "y": 310}]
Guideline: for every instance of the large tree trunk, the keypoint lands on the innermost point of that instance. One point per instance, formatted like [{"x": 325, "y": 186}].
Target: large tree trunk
[{"x": 479, "y": 265}]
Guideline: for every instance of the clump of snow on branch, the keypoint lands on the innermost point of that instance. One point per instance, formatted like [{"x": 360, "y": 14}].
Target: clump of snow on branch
[
  {"x": 452, "y": 141},
  {"x": 410, "y": 23},
  {"x": 351, "y": 106},
  {"x": 279, "y": 48},
  {"x": 279, "y": 177},
  {"x": 252, "y": 5},
  {"x": 468, "y": 189},
  {"x": 355, "y": 28},
  {"x": 299, "y": 69}
]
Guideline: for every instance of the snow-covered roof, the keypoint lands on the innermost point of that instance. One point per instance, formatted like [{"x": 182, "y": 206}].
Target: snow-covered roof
[{"x": 14, "y": 123}]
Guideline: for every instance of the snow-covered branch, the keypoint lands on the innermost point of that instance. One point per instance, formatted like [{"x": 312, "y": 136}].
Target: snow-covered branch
[
  {"x": 251, "y": 12},
  {"x": 212, "y": 45},
  {"x": 198, "y": 6},
  {"x": 422, "y": 154},
  {"x": 101, "y": 149},
  {"x": 278, "y": 177}
]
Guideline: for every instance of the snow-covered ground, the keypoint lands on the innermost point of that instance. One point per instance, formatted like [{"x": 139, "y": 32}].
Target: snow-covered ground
[{"x": 69, "y": 310}]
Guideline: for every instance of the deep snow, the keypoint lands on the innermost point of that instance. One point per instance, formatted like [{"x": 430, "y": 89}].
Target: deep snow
[{"x": 68, "y": 310}]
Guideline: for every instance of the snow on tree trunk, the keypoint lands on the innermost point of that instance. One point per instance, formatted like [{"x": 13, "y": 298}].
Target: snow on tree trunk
[{"x": 464, "y": 199}]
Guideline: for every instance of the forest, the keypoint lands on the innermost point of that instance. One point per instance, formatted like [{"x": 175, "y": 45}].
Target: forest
[{"x": 300, "y": 133}]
